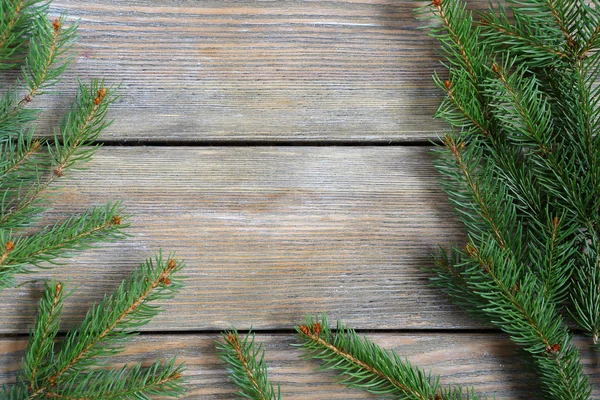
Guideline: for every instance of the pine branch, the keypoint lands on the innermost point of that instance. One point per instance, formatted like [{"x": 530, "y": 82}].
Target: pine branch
[
  {"x": 108, "y": 324},
  {"x": 40, "y": 348},
  {"x": 73, "y": 146},
  {"x": 76, "y": 233},
  {"x": 137, "y": 382},
  {"x": 17, "y": 18},
  {"x": 47, "y": 59},
  {"x": 246, "y": 366},
  {"x": 533, "y": 322},
  {"x": 364, "y": 365}
]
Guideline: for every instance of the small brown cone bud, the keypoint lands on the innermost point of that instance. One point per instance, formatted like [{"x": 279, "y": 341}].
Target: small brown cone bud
[
  {"x": 317, "y": 328},
  {"x": 304, "y": 329}
]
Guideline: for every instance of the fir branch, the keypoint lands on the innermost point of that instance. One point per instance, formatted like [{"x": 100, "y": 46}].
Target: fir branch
[
  {"x": 499, "y": 216},
  {"x": 73, "y": 146},
  {"x": 458, "y": 108},
  {"x": 246, "y": 366},
  {"x": 364, "y": 365},
  {"x": 14, "y": 118},
  {"x": 513, "y": 302},
  {"x": 40, "y": 347},
  {"x": 530, "y": 320},
  {"x": 110, "y": 322},
  {"x": 458, "y": 38},
  {"x": 81, "y": 126},
  {"x": 538, "y": 45},
  {"x": 16, "y": 21},
  {"x": 76, "y": 233},
  {"x": 47, "y": 59},
  {"x": 47, "y": 49},
  {"x": 137, "y": 382},
  {"x": 521, "y": 107},
  {"x": 20, "y": 162},
  {"x": 585, "y": 295},
  {"x": 449, "y": 274}
]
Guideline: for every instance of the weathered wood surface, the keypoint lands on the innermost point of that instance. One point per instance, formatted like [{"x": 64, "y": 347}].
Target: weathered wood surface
[
  {"x": 269, "y": 234},
  {"x": 489, "y": 363},
  {"x": 257, "y": 70}
]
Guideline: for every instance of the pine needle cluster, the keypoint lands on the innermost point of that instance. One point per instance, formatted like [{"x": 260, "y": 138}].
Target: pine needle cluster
[
  {"x": 520, "y": 163},
  {"x": 56, "y": 367},
  {"x": 246, "y": 366}
]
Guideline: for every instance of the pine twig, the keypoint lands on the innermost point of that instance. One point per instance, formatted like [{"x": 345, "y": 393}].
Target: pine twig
[
  {"x": 106, "y": 326},
  {"x": 41, "y": 344},
  {"x": 246, "y": 366},
  {"x": 364, "y": 365}
]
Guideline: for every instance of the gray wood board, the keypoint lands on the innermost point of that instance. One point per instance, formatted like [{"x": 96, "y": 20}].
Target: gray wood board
[
  {"x": 255, "y": 70},
  {"x": 268, "y": 233}
]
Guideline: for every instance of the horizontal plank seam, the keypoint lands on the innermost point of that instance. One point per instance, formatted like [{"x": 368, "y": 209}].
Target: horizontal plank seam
[
  {"x": 213, "y": 332},
  {"x": 268, "y": 143}
]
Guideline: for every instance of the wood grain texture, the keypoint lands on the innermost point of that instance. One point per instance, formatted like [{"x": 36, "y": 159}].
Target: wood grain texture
[
  {"x": 269, "y": 234},
  {"x": 490, "y": 363},
  {"x": 244, "y": 70}
]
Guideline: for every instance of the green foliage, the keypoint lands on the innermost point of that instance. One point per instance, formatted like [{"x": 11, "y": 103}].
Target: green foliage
[
  {"x": 68, "y": 373},
  {"x": 364, "y": 365},
  {"x": 29, "y": 167},
  {"x": 246, "y": 366},
  {"x": 521, "y": 165},
  {"x": 19, "y": 19}
]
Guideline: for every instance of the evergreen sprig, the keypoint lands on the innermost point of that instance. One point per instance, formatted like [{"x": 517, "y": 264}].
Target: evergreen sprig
[
  {"x": 364, "y": 365},
  {"x": 19, "y": 17},
  {"x": 66, "y": 373},
  {"x": 48, "y": 45},
  {"x": 246, "y": 366},
  {"x": 45, "y": 247}
]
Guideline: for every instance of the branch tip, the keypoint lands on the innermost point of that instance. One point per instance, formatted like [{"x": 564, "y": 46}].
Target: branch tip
[{"x": 56, "y": 25}]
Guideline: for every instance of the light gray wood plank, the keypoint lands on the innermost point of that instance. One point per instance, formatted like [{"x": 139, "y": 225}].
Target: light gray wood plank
[
  {"x": 256, "y": 70},
  {"x": 268, "y": 233},
  {"x": 489, "y": 363}
]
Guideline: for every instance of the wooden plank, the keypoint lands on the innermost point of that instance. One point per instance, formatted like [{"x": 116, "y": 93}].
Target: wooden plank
[
  {"x": 489, "y": 363},
  {"x": 269, "y": 234},
  {"x": 348, "y": 70}
]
